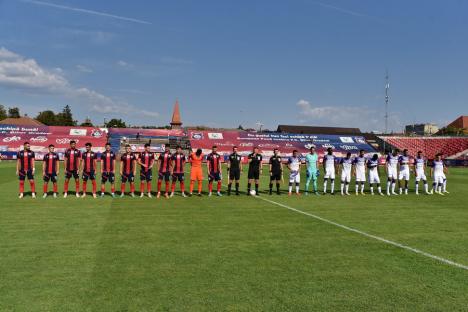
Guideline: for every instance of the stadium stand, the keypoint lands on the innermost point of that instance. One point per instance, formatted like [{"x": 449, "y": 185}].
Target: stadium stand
[
  {"x": 448, "y": 146},
  {"x": 320, "y": 130}
]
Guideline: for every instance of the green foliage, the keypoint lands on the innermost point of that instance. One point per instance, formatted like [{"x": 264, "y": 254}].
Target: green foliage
[
  {"x": 116, "y": 123},
  {"x": 3, "y": 112},
  {"x": 47, "y": 117},
  {"x": 14, "y": 112},
  {"x": 87, "y": 123}
]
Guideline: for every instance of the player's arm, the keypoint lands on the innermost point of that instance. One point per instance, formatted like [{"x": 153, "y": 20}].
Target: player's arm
[
  {"x": 228, "y": 164},
  {"x": 43, "y": 165},
  {"x": 113, "y": 165},
  {"x": 431, "y": 170},
  {"x": 270, "y": 166},
  {"x": 65, "y": 161},
  {"x": 140, "y": 163},
  {"x": 134, "y": 166},
  {"x": 241, "y": 166},
  {"x": 445, "y": 169},
  {"x": 57, "y": 166},
  {"x": 121, "y": 166},
  {"x": 18, "y": 162},
  {"x": 33, "y": 162},
  {"x": 95, "y": 162}
]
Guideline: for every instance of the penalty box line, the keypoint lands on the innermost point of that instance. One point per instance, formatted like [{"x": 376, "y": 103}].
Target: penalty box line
[{"x": 378, "y": 238}]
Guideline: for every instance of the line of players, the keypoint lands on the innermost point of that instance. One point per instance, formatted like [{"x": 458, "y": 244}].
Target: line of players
[{"x": 171, "y": 167}]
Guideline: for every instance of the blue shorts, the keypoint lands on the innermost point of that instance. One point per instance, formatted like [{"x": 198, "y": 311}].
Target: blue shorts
[
  {"x": 214, "y": 176},
  {"x": 178, "y": 177},
  {"x": 128, "y": 177},
  {"x": 50, "y": 177},
  {"x": 146, "y": 175},
  {"x": 26, "y": 174},
  {"x": 166, "y": 176},
  {"x": 89, "y": 175},
  {"x": 69, "y": 174},
  {"x": 107, "y": 176}
]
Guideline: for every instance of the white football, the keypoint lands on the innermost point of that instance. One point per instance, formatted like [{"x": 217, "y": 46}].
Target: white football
[{"x": 253, "y": 193}]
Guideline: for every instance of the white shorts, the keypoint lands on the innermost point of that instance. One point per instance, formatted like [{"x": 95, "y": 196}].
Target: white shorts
[
  {"x": 392, "y": 173},
  {"x": 346, "y": 176},
  {"x": 438, "y": 178},
  {"x": 294, "y": 177},
  {"x": 404, "y": 175},
  {"x": 420, "y": 175},
  {"x": 374, "y": 177},
  {"x": 360, "y": 176},
  {"x": 329, "y": 173}
]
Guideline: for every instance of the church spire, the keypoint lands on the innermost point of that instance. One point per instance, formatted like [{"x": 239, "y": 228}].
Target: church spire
[{"x": 176, "y": 122}]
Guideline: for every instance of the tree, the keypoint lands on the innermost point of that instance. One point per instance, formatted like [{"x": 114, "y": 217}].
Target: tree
[
  {"x": 47, "y": 117},
  {"x": 240, "y": 127},
  {"x": 3, "y": 112},
  {"x": 65, "y": 118},
  {"x": 116, "y": 123},
  {"x": 14, "y": 112},
  {"x": 87, "y": 123}
]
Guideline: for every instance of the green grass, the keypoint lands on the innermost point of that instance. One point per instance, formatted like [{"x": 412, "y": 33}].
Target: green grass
[{"x": 231, "y": 253}]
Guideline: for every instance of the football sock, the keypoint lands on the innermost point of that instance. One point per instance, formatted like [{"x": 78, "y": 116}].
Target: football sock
[
  {"x": 159, "y": 185},
  {"x": 103, "y": 188},
  {"x": 277, "y": 187},
  {"x": 332, "y": 186},
  {"x": 84, "y": 186},
  {"x": 199, "y": 186},
  {"x": 426, "y": 187},
  {"x": 372, "y": 188},
  {"x": 346, "y": 187},
  {"x": 229, "y": 187},
  {"x": 249, "y": 186},
  {"x": 182, "y": 186},
  {"x": 122, "y": 188},
  {"x": 148, "y": 186},
  {"x": 173, "y": 186},
  {"x": 325, "y": 186},
  {"x": 379, "y": 188},
  {"x": 219, "y": 186},
  {"x": 210, "y": 186},
  {"x": 55, "y": 187},
  {"x": 142, "y": 187},
  {"x": 132, "y": 187},
  {"x": 33, "y": 186},
  {"x": 362, "y": 187},
  {"x": 388, "y": 186},
  {"x": 315, "y": 186},
  {"x": 93, "y": 182},
  {"x": 357, "y": 187},
  {"x": 113, "y": 188},
  {"x": 256, "y": 188},
  {"x": 342, "y": 187},
  {"x": 237, "y": 187},
  {"x": 416, "y": 187},
  {"x": 44, "y": 187},
  {"x": 297, "y": 188},
  {"x": 65, "y": 186},
  {"x": 77, "y": 185},
  {"x": 271, "y": 187},
  {"x": 290, "y": 188},
  {"x": 167, "y": 186},
  {"x": 21, "y": 186},
  {"x": 444, "y": 185},
  {"x": 393, "y": 186},
  {"x": 192, "y": 182}
]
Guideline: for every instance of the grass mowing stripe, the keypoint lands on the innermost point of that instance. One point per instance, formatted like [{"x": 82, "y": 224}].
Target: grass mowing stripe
[{"x": 384, "y": 240}]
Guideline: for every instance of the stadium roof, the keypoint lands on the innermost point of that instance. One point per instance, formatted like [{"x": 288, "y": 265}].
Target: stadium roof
[
  {"x": 460, "y": 122},
  {"x": 22, "y": 121},
  {"x": 318, "y": 130}
]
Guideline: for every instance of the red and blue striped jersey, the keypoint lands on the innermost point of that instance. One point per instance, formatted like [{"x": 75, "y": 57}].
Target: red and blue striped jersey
[
  {"x": 147, "y": 159},
  {"x": 50, "y": 163},
  {"x": 128, "y": 162},
  {"x": 165, "y": 162},
  {"x": 26, "y": 159},
  {"x": 214, "y": 162},
  {"x": 72, "y": 157},
  {"x": 107, "y": 161},
  {"x": 178, "y": 163},
  {"x": 89, "y": 161}
]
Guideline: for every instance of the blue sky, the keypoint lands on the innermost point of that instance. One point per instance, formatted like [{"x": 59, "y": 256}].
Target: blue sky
[{"x": 237, "y": 62}]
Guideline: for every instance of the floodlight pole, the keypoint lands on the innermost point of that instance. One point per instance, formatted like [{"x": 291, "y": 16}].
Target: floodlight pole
[{"x": 387, "y": 87}]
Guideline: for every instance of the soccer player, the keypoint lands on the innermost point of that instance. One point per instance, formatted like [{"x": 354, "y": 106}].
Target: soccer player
[
  {"x": 403, "y": 161},
  {"x": 420, "y": 172},
  {"x": 178, "y": 168},
  {"x": 108, "y": 170},
  {"x": 234, "y": 170},
  {"x": 146, "y": 162},
  {"x": 360, "y": 163},
  {"x": 25, "y": 168},
  {"x": 346, "y": 169},
  {"x": 438, "y": 170},
  {"x": 374, "y": 177},
  {"x": 89, "y": 161},
  {"x": 255, "y": 170},
  {"x": 50, "y": 170},
  {"x": 72, "y": 165},
  {"x": 128, "y": 171},
  {"x": 276, "y": 171},
  {"x": 391, "y": 167},
  {"x": 329, "y": 167},
  {"x": 196, "y": 173},
  {"x": 214, "y": 170},
  {"x": 164, "y": 172},
  {"x": 312, "y": 170},
  {"x": 294, "y": 166}
]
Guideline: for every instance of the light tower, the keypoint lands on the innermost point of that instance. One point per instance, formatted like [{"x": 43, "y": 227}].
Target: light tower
[{"x": 387, "y": 87}]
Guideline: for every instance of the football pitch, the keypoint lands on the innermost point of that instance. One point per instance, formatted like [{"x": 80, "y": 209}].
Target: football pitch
[{"x": 237, "y": 253}]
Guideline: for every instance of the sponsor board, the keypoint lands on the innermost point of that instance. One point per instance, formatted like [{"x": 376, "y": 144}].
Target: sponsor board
[
  {"x": 215, "y": 135},
  {"x": 78, "y": 132}
]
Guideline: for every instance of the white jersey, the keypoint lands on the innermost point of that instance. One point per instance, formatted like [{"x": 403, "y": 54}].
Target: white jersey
[
  {"x": 294, "y": 165},
  {"x": 419, "y": 166},
  {"x": 360, "y": 163},
  {"x": 392, "y": 164},
  {"x": 373, "y": 166},
  {"x": 347, "y": 165},
  {"x": 329, "y": 162},
  {"x": 438, "y": 167}
]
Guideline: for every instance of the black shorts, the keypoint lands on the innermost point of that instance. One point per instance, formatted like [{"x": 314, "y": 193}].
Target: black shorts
[
  {"x": 89, "y": 175},
  {"x": 128, "y": 178},
  {"x": 166, "y": 176},
  {"x": 178, "y": 177},
  {"x": 50, "y": 177},
  {"x": 26, "y": 174},
  {"x": 234, "y": 174},
  {"x": 69, "y": 174},
  {"x": 275, "y": 176},
  {"x": 254, "y": 174},
  {"x": 214, "y": 176},
  {"x": 146, "y": 175},
  {"x": 107, "y": 176}
]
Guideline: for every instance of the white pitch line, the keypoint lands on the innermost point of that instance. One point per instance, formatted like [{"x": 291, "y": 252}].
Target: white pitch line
[{"x": 415, "y": 250}]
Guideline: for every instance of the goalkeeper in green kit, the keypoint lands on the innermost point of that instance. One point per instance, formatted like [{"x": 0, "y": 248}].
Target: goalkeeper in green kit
[{"x": 312, "y": 170}]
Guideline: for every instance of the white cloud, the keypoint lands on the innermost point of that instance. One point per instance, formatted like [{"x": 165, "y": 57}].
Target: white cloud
[
  {"x": 26, "y": 74},
  {"x": 83, "y": 68},
  {"x": 122, "y": 63},
  {"x": 362, "y": 117}
]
